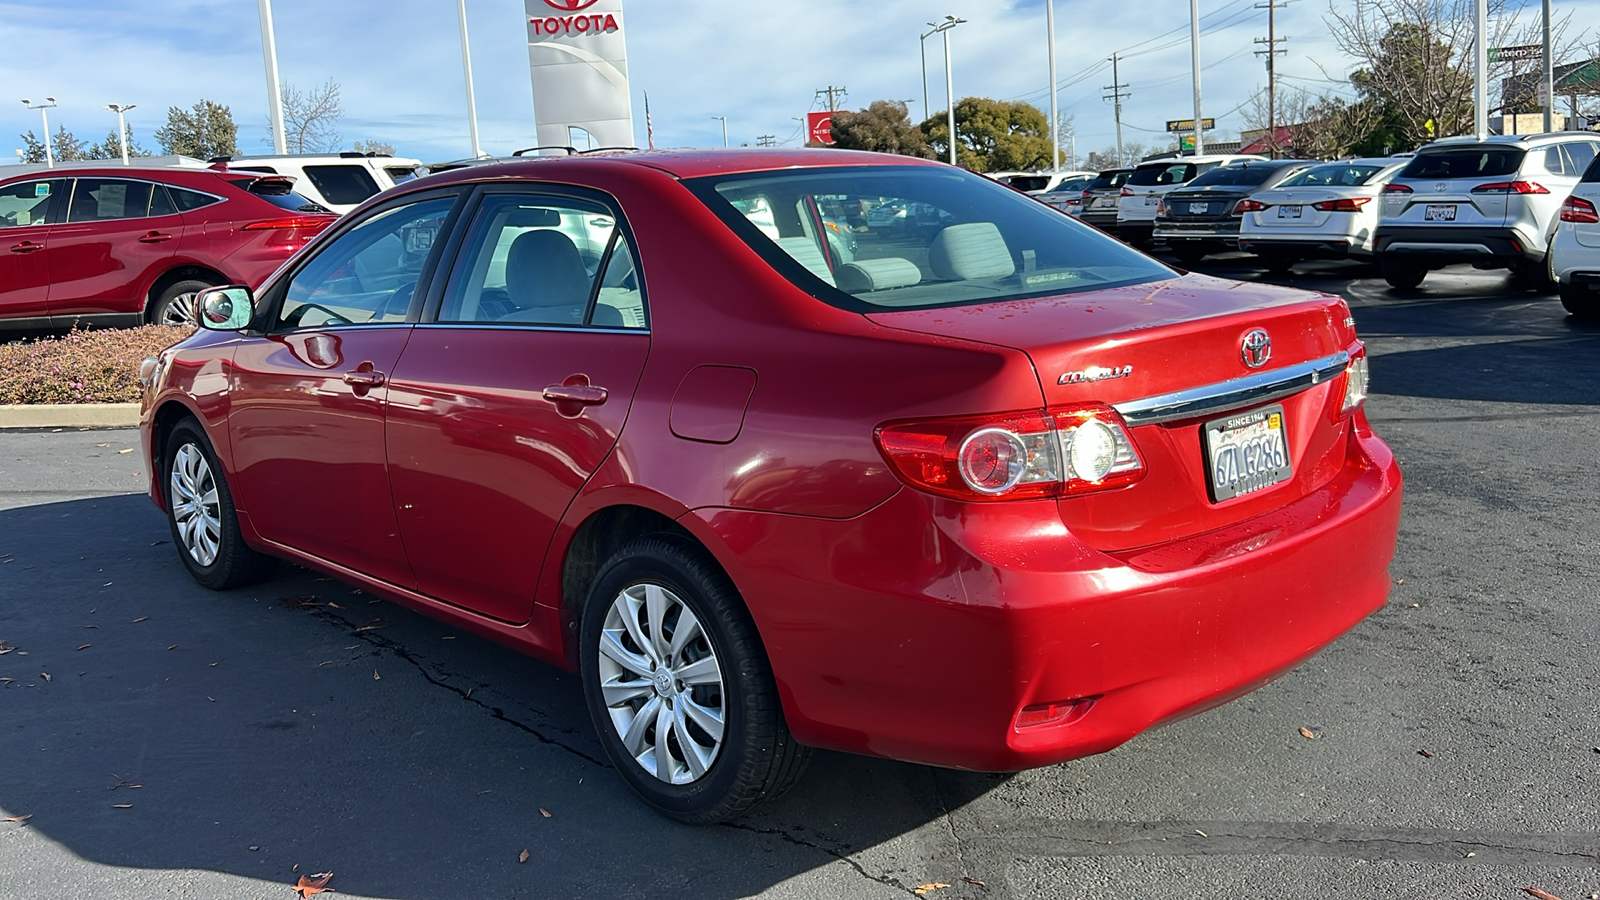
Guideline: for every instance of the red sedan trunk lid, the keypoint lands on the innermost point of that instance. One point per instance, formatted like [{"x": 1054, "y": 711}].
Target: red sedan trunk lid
[{"x": 1123, "y": 345}]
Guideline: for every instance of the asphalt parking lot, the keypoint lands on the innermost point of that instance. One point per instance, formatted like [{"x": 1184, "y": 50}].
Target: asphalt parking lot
[{"x": 163, "y": 740}]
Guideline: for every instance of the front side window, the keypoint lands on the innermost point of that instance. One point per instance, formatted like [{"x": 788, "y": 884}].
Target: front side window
[
  {"x": 890, "y": 237},
  {"x": 366, "y": 275},
  {"x": 105, "y": 199},
  {"x": 342, "y": 184},
  {"x": 26, "y": 203},
  {"x": 537, "y": 260}
]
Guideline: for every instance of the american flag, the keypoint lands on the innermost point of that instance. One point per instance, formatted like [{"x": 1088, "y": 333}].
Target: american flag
[{"x": 649, "y": 130}]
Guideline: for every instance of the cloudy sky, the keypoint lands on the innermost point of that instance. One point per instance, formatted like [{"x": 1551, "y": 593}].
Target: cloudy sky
[{"x": 757, "y": 62}]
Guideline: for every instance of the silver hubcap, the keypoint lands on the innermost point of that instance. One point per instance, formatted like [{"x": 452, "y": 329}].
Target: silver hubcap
[
  {"x": 194, "y": 504},
  {"x": 661, "y": 683},
  {"x": 179, "y": 311}
]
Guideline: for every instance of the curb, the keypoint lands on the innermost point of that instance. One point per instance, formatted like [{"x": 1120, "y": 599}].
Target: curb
[{"x": 69, "y": 415}]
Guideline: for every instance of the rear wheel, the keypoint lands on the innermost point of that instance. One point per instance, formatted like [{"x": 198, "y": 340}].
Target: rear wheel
[
  {"x": 1278, "y": 265},
  {"x": 679, "y": 686},
  {"x": 1403, "y": 275},
  {"x": 1536, "y": 275},
  {"x": 175, "y": 305},
  {"x": 201, "y": 514},
  {"x": 1581, "y": 301}
]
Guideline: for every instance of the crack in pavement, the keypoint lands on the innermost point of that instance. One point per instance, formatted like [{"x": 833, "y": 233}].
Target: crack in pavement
[
  {"x": 884, "y": 880},
  {"x": 949, "y": 822},
  {"x": 399, "y": 650},
  {"x": 1099, "y": 839}
]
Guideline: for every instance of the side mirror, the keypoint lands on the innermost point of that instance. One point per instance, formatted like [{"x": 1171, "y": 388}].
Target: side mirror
[{"x": 230, "y": 308}]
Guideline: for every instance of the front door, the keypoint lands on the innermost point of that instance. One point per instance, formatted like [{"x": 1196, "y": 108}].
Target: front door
[
  {"x": 118, "y": 235},
  {"x": 509, "y": 397},
  {"x": 24, "y": 232},
  {"x": 308, "y": 397}
]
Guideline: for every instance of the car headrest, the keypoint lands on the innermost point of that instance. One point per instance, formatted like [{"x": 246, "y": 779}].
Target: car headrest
[{"x": 972, "y": 250}]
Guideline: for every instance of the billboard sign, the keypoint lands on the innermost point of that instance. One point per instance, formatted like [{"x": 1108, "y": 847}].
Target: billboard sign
[
  {"x": 1517, "y": 53},
  {"x": 819, "y": 127},
  {"x": 578, "y": 57},
  {"x": 1174, "y": 126}
]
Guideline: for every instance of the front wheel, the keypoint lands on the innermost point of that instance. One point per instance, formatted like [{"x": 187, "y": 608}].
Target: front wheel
[
  {"x": 1403, "y": 276},
  {"x": 679, "y": 686},
  {"x": 201, "y": 514},
  {"x": 1581, "y": 301}
]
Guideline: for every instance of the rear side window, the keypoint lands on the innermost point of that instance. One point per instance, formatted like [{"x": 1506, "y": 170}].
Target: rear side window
[
  {"x": 342, "y": 184},
  {"x": 1108, "y": 180},
  {"x": 1169, "y": 173},
  {"x": 1029, "y": 182},
  {"x": 1465, "y": 162},
  {"x": 187, "y": 200},
  {"x": 107, "y": 199}
]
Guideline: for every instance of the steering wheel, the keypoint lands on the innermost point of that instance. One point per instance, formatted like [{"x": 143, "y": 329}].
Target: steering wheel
[{"x": 298, "y": 315}]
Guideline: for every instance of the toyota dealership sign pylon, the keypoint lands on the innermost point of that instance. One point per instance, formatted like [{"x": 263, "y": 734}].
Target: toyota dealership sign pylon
[{"x": 578, "y": 56}]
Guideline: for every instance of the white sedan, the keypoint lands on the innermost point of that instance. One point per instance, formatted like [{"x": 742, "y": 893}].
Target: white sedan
[{"x": 1326, "y": 212}]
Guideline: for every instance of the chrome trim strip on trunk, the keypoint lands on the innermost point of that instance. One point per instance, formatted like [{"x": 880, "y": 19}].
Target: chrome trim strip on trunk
[{"x": 1224, "y": 396}]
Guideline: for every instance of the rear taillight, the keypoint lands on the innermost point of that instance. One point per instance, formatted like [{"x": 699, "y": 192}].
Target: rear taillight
[
  {"x": 1014, "y": 456},
  {"x": 1356, "y": 378},
  {"x": 1343, "y": 204},
  {"x": 1393, "y": 188},
  {"x": 309, "y": 223},
  {"x": 1126, "y": 192},
  {"x": 1244, "y": 206},
  {"x": 289, "y": 234},
  {"x": 1577, "y": 209},
  {"x": 1161, "y": 207},
  {"x": 1511, "y": 187}
]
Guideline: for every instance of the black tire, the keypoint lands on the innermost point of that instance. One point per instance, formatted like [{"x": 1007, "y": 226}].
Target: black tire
[
  {"x": 1401, "y": 275},
  {"x": 1581, "y": 301},
  {"x": 233, "y": 564},
  {"x": 757, "y": 758},
  {"x": 1278, "y": 265},
  {"x": 1536, "y": 276},
  {"x": 169, "y": 308}
]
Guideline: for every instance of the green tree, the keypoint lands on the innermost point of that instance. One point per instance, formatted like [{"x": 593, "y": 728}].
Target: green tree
[
  {"x": 993, "y": 135},
  {"x": 32, "y": 148},
  {"x": 111, "y": 148},
  {"x": 884, "y": 127},
  {"x": 205, "y": 131},
  {"x": 66, "y": 147}
]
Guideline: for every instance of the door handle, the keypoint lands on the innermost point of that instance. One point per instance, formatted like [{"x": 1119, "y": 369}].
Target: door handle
[
  {"x": 580, "y": 394},
  {"x": 365, "y": 378},
  {"x": 155, "y": 237},
  {"x": 26, "y": 247}
]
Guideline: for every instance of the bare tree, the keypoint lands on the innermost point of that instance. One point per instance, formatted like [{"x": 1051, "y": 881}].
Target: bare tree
[
  {"x": 374, "y": 148},
  {"x": 311, "y": 118}
]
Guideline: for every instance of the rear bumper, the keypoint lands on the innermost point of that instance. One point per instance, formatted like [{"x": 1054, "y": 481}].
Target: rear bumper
[
  {"x": 1211, "y": 235},
  {"x": 1452, "y": 244},
  {"x": 921, "y": 629},
  {"x": 1309, "y": 247}
]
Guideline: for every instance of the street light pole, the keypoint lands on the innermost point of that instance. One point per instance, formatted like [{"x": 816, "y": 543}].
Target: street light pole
[
  {"x": 1549, "y": 75},
  {"x": 1055, "y": 117},
  {"x": 466, "y": 63},
  {"x": 50, "y": 103},
  {"x": 122, "y": 126},
  {"x": 1480, "y": 72},
  {"x": 1194, "y": 49},
  {"x": 923, "y": 42},
  {"x": 724, "y": 129},
  {"x": 269, "y": 49},
  {"x": 949, "y": 82}
]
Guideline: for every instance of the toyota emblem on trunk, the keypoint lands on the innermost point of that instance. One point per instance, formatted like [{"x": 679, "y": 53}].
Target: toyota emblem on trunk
[{"x": 1257, "y": 348}]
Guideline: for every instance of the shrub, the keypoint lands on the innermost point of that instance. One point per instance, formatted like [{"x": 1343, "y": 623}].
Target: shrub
[{"x": 99, "y": 366}]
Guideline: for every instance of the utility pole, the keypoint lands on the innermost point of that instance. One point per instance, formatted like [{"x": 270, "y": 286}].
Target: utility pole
[
  {"x": 1271, "y": 53},
  {"x": 830, "y": 90},
  {"x": 1194, "y": 50},
  {"x": 766, "y": 140},
  {"x": 1055, "y": 116},
  {"x": 1117, "y": 95}
]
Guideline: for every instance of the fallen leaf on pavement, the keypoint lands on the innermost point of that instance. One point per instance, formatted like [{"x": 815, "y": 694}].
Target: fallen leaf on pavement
[
  {"x": 523, "y": 856},
  {"x": 102, "y": 445},
  {"x": 313, "y": 884},
  {"x": 1542, "y": 895},
  {"x": 376, "y": 676},
  {"x": 922, "y": 889},
  {"x": 122, "y": 806},
  {"x": 971, "y": 880},
  {"x": 84, "y": 646},
  {"x": 1425, "y": 754},
  {"x": 140, "y": 619},
  {"x": 173, "y": 647},
  {"x": 45, "y": 675},
  {"x": 7, "y": 680},
  {"x": 1201, "y": 833},
  {"x": 544, "y": 812},
  {"x": 19, "y": 818},
  {"x": 1307, "y": 733},
  {"x": 129, "y": 450}
]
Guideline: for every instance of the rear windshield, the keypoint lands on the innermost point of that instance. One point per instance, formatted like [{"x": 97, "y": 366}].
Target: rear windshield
[
  {"x": 1465, "y": 162},
  {"x": 1072, "y": 186},
  {"x": 1166, "y": 173},
  {"x": 871, "y": 238},
  {"x": 277, "y": 191},
  {"x": 400, "y": 174},
  {"x": 1239, "y": 176},
  {"x": 342, "y": 184},
  {"x": 1029, "y": 182},
  {"x": 1333, "y": 175},
  {"x": 1108, "y": 180}
]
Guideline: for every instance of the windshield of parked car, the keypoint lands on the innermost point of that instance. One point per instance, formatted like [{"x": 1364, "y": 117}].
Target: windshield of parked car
[
  {"x": 1108, "y": 180},
  {"x": 1239, "y": 175},
  {"x": 891, "y": 237},
  {"x": 1465, "y": 162},
  {"x": 1334, "y": 175}
]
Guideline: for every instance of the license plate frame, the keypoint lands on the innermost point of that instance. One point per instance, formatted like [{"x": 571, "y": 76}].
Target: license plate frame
[
  {"x": 1151, "y": 200},
  {"x": 1199, "y": 209},
  {"x": 1247, "y": 452},
  {"x": 1439, "y": 212},
  {"x": 1290, "y": 211}
]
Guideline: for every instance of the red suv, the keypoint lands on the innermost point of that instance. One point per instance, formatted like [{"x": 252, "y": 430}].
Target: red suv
[
  {"x": 126, "y": 246},
  {"x": 992, "y": 494}
]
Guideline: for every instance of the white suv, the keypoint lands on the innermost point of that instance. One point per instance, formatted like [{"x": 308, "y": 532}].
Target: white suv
[
  {"x": 1574, "y": 260},
  {"x": 339, "y": 181},
  {"x": 1150, "y": 181},
  {"x": 1491, "y": 202}
]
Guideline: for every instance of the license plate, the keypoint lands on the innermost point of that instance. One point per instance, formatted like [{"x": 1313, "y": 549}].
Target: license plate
[
  {"x": 1248, "y": 452},
  {"x": 1444, "y": 212},
  {"x": 1150, "y": 200},
  {"x": 1199, "y": 209},
  {"x": 1288, "y": 212}
]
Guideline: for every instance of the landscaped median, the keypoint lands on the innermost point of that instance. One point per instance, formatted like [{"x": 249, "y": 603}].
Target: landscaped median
[{"x": 83, "y": 379}]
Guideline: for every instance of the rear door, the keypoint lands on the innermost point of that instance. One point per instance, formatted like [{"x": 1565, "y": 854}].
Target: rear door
[
  {"x": 512, "y": 392},
  {"x": 24, "y": 234},
  {"x": 118, "y": 236}
]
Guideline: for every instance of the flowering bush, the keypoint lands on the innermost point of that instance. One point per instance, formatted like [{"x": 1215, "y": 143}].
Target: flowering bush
[{"x": 100, "y": 366}]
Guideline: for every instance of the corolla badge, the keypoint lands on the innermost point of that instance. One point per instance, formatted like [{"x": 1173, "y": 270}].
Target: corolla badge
[
  {"x": 1257, "y": 348},
  {"x": 1095, "y": 373}
]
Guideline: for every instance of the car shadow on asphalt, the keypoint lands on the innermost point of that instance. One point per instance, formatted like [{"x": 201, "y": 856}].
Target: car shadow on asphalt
[{"x": 152, "y": 724}]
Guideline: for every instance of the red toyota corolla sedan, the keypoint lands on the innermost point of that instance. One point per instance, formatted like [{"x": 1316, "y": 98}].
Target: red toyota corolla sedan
[
  {"x": 989, "y": 491},
  {"x": 126, "y": 246}
]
